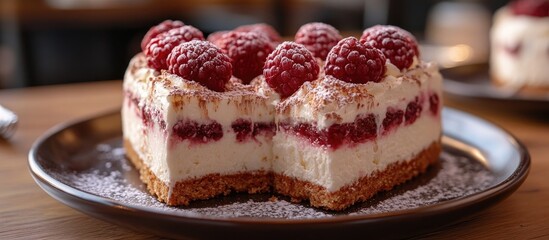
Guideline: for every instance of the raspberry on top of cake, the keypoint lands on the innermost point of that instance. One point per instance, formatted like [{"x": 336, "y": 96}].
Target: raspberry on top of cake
[{"x": 325, "y": 119}]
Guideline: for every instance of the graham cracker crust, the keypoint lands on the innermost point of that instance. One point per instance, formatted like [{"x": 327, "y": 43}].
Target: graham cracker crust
[
  {"x": 363, "y": 189},
  {"x": 199, "y": 188}
]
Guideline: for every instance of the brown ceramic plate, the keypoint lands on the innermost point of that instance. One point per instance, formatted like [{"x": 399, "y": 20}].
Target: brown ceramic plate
[
  {"x": 82, "y": 165},
  {"x": 472, "y": 83}
]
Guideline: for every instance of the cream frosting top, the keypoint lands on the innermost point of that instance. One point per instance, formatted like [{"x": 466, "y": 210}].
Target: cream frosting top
[
  {"x": 329, "y": 100},
  {"x": 181, "y": 98}
]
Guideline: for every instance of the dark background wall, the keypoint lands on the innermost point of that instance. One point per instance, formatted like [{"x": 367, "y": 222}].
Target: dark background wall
[{"x": 44, "y": 42}]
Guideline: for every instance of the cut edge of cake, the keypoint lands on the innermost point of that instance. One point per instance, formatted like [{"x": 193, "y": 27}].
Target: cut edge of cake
[
  {"x": 212, "y": 185},
  {"x": 199, "y": 188}
]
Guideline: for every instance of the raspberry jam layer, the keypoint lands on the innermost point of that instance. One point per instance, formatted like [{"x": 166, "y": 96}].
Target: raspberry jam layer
[
  {"x": 393, "y": 119},
  {"x": 197, "y": 133},
  {"x": 246, "y": 130},
  {"x": 364, "y": 128},
  {"x": 413, "y": 110},
  {"x": 148, "y": 116}
]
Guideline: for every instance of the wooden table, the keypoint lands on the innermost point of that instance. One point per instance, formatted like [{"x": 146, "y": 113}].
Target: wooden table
[{"x": 28, "y": 212}]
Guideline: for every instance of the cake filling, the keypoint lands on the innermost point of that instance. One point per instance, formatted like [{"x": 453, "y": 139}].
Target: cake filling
[{"x": 364, "y": 128}]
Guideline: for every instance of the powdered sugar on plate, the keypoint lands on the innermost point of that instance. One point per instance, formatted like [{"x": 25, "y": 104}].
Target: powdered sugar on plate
[{"x": 103, "y": 171}]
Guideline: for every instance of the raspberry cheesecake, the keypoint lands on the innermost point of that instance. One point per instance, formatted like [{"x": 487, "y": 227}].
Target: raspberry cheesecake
[
  {"x": 372, "y": 121},
  {"x": 194, "y": 139},
  {"x": 520, "y": 46},
  {"x": 321, "y": 119}
]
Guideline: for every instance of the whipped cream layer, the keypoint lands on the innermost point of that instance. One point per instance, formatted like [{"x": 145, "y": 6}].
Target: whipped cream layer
[
  {"x": 520, "y": 50},
  {"x": 171, "y": 99},
  {"x": 328, "y": 100}
]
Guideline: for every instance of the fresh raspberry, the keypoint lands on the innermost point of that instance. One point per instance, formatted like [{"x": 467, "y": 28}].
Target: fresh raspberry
[
  {"x": 202, "y": 62},
  {"x": 410, "y": 37},
  {"x": 160, "y": 46},
  {"x": 248, "y": 51},
  {"x": 355, "y": 62},
  {"x": 288, "y": 67},
  {"x": 319, "y": 38},
  {"x": 158, "y": 29},
  {"x": 158, "y": 49},
  {"x": 187, "y": 33},
  {"x": 215, "y": 36},
  {"x": 262, "y": 28},
  {"x": 398, "y": 45},
  {"x": 534, "y": 8}
]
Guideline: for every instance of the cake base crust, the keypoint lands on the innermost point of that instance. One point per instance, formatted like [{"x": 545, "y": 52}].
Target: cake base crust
[
  {"x": 361, "y": 190},
  {"x": 526, "y": 89},
  {"x": 204, "y": 187}
]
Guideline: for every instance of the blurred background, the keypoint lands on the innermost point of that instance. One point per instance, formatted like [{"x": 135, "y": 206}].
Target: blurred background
[{"x": 63, "y": 41}]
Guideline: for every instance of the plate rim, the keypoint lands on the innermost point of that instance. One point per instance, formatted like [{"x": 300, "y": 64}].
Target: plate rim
[
  {"x": 500, "y": 190},
  {"x": 522, "y": 98}
]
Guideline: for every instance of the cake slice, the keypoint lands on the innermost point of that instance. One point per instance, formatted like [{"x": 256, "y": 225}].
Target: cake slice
[
  {"x": 520, "y": 46},
  {"x": 190, "y": 142},
  {"x": 330, "y": 121},
  {"x": 341, "y": 141}
]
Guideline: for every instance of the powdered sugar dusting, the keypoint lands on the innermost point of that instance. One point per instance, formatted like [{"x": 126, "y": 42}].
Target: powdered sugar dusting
[
  {"x": 103, "y": 171},
  {"x": 457, "y": 177}
]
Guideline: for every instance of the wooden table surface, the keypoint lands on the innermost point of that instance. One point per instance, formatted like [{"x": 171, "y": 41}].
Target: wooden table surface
[{"x": 27, "y": 212}]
